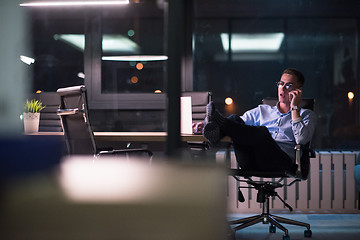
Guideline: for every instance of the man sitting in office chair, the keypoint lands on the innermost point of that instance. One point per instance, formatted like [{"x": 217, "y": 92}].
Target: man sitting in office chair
[{"x": 267, "y": 134}]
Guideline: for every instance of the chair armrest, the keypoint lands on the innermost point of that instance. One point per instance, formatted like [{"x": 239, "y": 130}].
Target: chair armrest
[
  {"x": 302, "y": 157},
  {"x": 64, "y": 112},
  {"x": 129, "y": 150}
]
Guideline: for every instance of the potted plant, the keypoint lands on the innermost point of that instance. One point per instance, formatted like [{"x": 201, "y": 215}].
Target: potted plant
[{"x": 31, "y": 115}]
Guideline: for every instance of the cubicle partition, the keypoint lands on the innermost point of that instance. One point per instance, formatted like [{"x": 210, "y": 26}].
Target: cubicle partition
[{"x": 329, "y": 189}]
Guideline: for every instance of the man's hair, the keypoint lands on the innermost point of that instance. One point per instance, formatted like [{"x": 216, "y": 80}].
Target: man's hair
[{"x": 299, "y": 76}]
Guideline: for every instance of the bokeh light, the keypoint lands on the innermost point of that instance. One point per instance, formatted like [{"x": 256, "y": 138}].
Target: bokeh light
[
  {"x": 351, "y": 95},
  {"x": 131, "y": 33},
  {"x": 134, "y": 79},
  {"x": 228, "y": 101},
  {"x": 139, "y": 66}
]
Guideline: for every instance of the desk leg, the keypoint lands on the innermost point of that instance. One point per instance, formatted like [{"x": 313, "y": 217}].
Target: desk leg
[
  {"x": 227, "y": 159},
  {"x": 228, "y": 155}
]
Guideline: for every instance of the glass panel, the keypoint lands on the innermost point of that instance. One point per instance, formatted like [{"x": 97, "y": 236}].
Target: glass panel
[
  {"x": 58, "y": 49},
  {"x": 324, "y": 49},
  {"x": 133, "y": 53},
  {"x": 228, "y": 69},
  {"x": 210, "y": 73},
  {"x": 61, "y": 59},
  {"x": 128, "y": 121}
]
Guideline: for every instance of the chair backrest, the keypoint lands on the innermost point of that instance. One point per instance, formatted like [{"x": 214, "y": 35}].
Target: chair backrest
[
  {"x": 75, "y": 120},
  {"x": 49, "y": 120},
  {"x": 199, "y": 100}
]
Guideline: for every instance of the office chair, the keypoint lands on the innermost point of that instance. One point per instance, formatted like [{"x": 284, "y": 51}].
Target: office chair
[
  {"x": 199, "y": 101},
  {"x": 267, "y": 185},
  {"x": 75, "y": 121},
  {"x": 49, "y": 120}
]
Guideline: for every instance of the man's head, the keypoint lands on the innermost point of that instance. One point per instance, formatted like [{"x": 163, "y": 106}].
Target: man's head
[
  {"x": 299, "y": 76},
  {"x": 291, "y": 79}
]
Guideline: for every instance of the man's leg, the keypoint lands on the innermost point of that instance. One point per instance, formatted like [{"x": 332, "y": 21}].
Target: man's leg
[
  {"x": 257, "y": 144},
  {"x": 254, "y": 147},
  {"x": 213, "y": 120},
  {"x": 244, "y": 154}
]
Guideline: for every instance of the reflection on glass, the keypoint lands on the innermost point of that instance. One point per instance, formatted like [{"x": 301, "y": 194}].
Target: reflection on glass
[
  {"x": 110, "y": 43},
  {"x": 252, "y": 42},
  {"x": 57, "y": 61},
  {"x": 138, "y": 68}
]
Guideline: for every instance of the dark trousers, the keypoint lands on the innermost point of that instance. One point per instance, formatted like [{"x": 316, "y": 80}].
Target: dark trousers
[{"x": 254, "y": 147}]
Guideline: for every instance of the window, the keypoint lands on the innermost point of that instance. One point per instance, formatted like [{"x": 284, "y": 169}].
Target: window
[
  {"x": 126, "y": 62},
  {"x": 324, "y": 48},
  {"x": 59, "y": 59}
]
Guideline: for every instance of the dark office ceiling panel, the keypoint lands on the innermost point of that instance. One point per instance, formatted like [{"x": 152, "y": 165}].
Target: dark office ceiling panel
[{"x": 276, "y": 8}]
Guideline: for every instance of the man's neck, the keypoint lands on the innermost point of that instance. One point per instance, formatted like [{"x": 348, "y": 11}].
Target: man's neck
[{"x": 284, "y": 107}]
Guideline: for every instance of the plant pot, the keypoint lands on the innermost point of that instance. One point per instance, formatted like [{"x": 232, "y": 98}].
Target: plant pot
[{"x": 31, "y": 122}]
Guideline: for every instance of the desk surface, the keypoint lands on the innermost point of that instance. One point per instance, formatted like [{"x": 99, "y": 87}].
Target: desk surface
[
  {"x": 136, "y": 136},
  {"x": 143, "y": 136}
]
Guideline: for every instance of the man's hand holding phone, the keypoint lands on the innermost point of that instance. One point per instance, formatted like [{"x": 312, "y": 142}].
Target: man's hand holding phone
[{"x": 295, "y": 97}]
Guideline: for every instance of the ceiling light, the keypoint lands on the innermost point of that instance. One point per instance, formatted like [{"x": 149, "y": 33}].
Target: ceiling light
[
  {"x": 72, "y": 3},
  {"x": 137, "y": 58},
  {"x": 27, "y": 60},
  {"x": 110, "y": 43},
  {"x": 81, "y": 75},
  {"x": 252, "y": 42}
]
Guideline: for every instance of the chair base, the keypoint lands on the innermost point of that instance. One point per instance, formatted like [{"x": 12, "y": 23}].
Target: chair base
[
  {"x": 273, "y": 220},
  {"x": 267, "y": 218}
]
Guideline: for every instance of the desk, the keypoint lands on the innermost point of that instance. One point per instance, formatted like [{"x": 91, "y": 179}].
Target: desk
[
  {"x": 143, "y": 137},
  {"x": 112, "y": 139},
  {"x": 148, "y": 137},
  {"x": 155, "y": 137},
  {"x": 137, "y": 136}
]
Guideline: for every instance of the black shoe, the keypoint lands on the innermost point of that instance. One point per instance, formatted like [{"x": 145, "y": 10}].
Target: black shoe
[
  {"x": 212, "y": 115},
  {"x": 212, "y": 133}
]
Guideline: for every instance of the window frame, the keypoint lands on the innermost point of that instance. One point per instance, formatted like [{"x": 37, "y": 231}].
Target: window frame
[{"x": 92, "y": 68}]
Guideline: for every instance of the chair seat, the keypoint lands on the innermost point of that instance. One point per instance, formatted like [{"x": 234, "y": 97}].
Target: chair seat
[{"x": 245, "y": 173}]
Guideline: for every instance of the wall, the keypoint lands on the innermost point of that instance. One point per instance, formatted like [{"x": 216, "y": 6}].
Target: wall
[{"x": 13, "y": 72}]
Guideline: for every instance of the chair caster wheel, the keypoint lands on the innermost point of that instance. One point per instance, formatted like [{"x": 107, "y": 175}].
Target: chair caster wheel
[
  {"x": 272, "y": 229},
  {"x": 286, "y": 237},
  {"x": 307, "y": 233}
]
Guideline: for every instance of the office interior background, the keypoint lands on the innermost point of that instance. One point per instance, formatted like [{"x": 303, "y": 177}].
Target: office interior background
[{"x": 233, "y": 48}]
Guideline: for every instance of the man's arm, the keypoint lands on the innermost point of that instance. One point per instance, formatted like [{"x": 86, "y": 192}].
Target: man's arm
[
  {"x": 296, "y": 97},
  {"x": 304, "y": 126}
]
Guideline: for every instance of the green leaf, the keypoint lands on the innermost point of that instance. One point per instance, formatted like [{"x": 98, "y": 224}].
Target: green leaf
[{"x": 33, "y": 106}]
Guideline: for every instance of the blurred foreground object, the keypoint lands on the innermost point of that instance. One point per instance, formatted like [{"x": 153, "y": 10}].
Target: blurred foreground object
[{"x": 112, "y": 199}]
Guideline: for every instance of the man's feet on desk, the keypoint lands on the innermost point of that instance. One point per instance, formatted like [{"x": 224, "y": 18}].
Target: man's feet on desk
[
  {"x": 212, "y": 133},
  {"x": 212, "y": 115}
]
